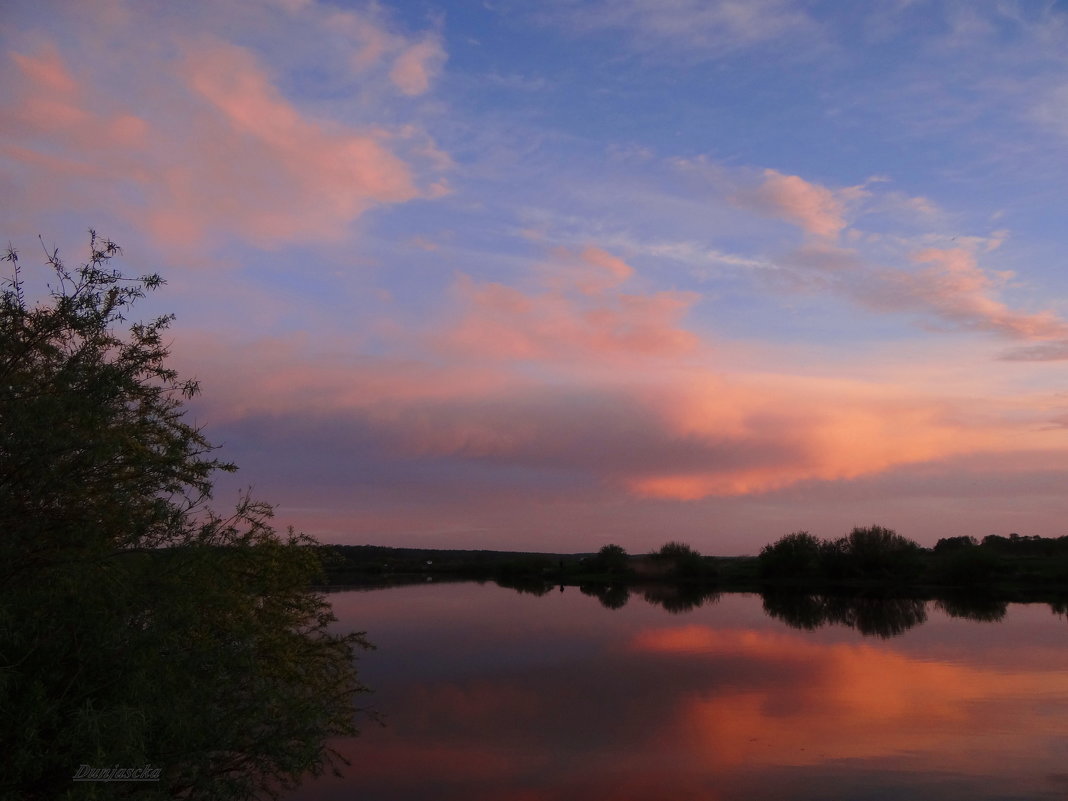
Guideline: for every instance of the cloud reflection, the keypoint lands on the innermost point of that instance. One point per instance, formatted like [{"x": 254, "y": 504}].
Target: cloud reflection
[{"x": 571, "y": 701}]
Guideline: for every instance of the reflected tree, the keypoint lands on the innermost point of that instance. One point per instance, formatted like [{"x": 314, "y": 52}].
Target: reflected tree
[
  {"x": 879, "y": 617},
  {"x": 871, "y": 616},
  {"x": 526, "y": 586},
  {"x": 797, "y": 609},
  {"x": 679, "y": 597},
  {"x": 611, "y": 596},
  {"x": 974, "y": 606}
]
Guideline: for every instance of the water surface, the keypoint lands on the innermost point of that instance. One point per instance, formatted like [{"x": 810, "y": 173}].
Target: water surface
[{"x": 487, "y": 693}]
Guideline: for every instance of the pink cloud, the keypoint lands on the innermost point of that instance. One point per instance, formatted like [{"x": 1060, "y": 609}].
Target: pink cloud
[
  {"x": 612, "y": 271},
  {"x": 272, "y": 173},
  {"x": 949, "y": 287},
  {"x": 657, "y": 433},
  {"x": 420, "y": 441},
  {"x": 577, "y": 311},
  {"x": 50, "y": 104},
  {"x": 61, "y": 150},
  {"x": 46, "y": 70},
  {"x": 955, "y": 288},
  {"x": 212, "y": 147},
  {"x": 417, "y": 65},
  {"x": 800, "y": 429},
  {"x": 815, "y": 209},
  {"x": 576, "y": 377},
  {"x": 371, "y": 42}
]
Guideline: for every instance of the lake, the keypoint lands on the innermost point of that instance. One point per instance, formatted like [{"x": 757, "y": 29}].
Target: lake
[{"x": 488, "y": 693}]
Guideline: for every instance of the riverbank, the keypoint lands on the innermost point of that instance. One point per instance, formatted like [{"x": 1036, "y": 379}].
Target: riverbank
[{"x": 1011, "y": 570}]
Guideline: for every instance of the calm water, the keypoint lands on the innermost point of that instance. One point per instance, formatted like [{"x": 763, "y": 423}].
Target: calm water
[{"x": 491, "y": 694}]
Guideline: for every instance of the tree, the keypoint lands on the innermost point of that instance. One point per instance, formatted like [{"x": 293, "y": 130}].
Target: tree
[
  {"x": 967, "y": 565},
  {"x": 949, "y": 544},
  {"x": 138, "y": 626},
  {"x": 611, "y": 559},
  {"x": 876, "y": 552},
  {"x": 794, "y": 555},
  {"x": 684, "y": 560}
]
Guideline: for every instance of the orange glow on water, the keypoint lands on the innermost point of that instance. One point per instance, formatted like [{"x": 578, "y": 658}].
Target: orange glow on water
[{"x": 846, "y": 701}]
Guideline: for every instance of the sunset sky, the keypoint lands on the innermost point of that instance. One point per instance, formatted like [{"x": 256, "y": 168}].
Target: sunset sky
[{"x": 550, "y": 275}]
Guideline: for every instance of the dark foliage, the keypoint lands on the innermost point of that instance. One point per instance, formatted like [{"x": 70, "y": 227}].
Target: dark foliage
[
  {"x": 797, "y": 555},
  {"x": 873, "y": 553},
  {"x": 873, "y": 616},
  {"x": 980, "y": 607},
  {"x": 967, "y": 566},
  {"x": 683, "y": 561},
  {"x": 949, "y": 544},
  {"x": 612, "y": 559},
  {"x": 680, "y": 597},
  {"x": 877, "y": 552},
  {"x": 137, "y": 626}
]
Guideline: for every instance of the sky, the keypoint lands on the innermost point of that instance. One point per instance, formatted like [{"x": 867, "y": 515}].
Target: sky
[{"x": 500, "y": 274}]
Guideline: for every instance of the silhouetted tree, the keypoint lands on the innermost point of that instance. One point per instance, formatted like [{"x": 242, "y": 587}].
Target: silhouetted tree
[
  {"x": 527, "y": 568},
  {"x": 874, "y": 552},
  {"x": 797, "y": 555},
  {"x": 947, "y": 544},
  {"x": 137, "y": 626},
  {"x": 967, "y": 566},
  {"x": 610, "y": 559},
  {"x": 685, "y": 561}
]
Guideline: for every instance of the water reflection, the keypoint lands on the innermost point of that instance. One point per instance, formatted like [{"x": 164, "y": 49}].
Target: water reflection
[
  {"x": 972, "y": 606},
  {"x": 872, "y": 615},
  {"x": 678, "y": 598},
  {"x": 491, "y": 694},
  {"x": 535, "y": 587},
  {"x": 611, "y": 596},
  {"x": 875, "y": 616}
]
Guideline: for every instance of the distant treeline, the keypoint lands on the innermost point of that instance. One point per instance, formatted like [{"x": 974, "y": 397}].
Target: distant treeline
[
  {"x": 877, "y": 554},
  {"x": 869, "y": 556},
  {"x": 373, "y": 564}
]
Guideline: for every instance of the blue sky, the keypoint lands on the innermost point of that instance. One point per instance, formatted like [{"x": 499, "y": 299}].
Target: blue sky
[{"x": 502, "y": 274}]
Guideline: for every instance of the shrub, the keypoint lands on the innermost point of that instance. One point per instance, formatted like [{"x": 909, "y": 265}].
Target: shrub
[
  {"x": 610, "y": 559},
  {"x": 955, "y": 544},
  {"x": 967, "y": 566},
  {"x": 685, "y": 561},
  {"x": 794, "y": 555},
  {"x": 877, "y": 552}
]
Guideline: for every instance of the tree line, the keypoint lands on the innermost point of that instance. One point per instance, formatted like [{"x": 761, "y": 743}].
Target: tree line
[
  {"x": 877, "y": 554},
  {"x": 866, "y": 555}
]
